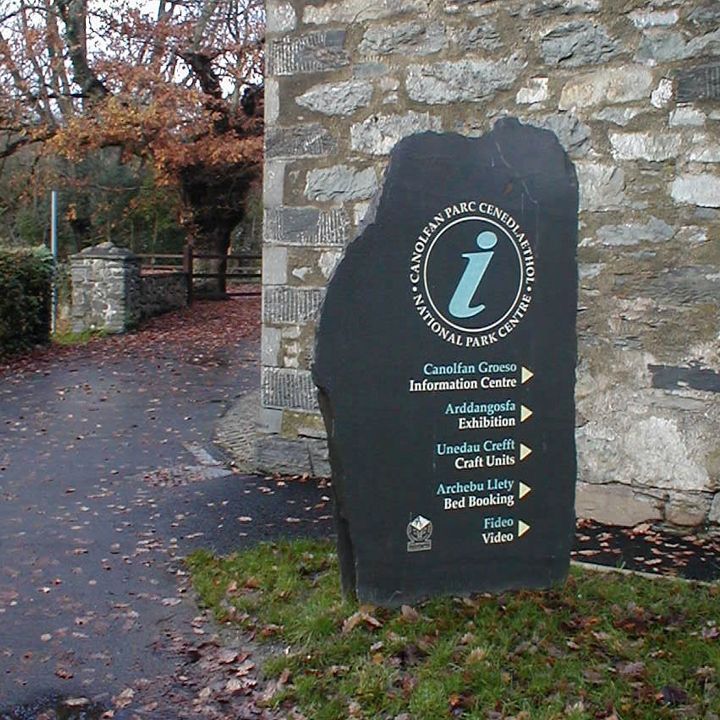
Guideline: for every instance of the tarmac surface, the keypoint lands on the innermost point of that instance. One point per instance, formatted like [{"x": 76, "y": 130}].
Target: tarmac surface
[{"x": 107, "y": 478}]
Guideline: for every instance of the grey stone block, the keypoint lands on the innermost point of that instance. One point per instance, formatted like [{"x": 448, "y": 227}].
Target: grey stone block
[
  {"x": 578, "y": 43},
  {"x": 273, "y": 183},
  {"x": 379, "y": 134},
  {"x": 357, "y": 11},
  {"x": 573, "y": 135},
  {"x": 678, "y": 286},
  {"x": 270, "y": 420},
  {"x": 670, "y": 45},
  {"x": 654, "y": 18},
  {"x": 483, "y": 36},
  {"x": 702, "y": 189},
  {"x": 714, "y": 516},
  {"x": 272, "y": 102},
  {"x": 274, "y": 454},
  {"x": 538, "y": 8},
  {"x": 602, "y": 187},
  {"x": 298, "y": 141},
  {"x": 270, "y": 346},
  {"x": 280, "y": 17},
  {"x": 307, "y": 226},
  {"x": 654, "y": 230},
  {"x": 651, "y": 146},
  {"x": 673, "y": 377},
  {"x": 615, "y": 504},
  {"x": 341, "y": 183},
  {"x": 618, "y": 116},
  {"x": 313, "y": 52},
  {"x": 109, "y": 251},
  {"x": 708, "y": 13},
  {"x": 613, "y": 85},
  {"x": 274, "y": 265},
  {"x": 461, "y": 81},
  {"x": 689, "y": 510},
  {"x": 288, "y": 388},
  {"x": 408, "y": 38},
  {"x": 291, "y": 306},
  {"x": 342, "y": 98}
]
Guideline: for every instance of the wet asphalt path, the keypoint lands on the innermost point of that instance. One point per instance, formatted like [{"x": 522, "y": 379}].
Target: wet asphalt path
[{"x": 108, "y": 478}]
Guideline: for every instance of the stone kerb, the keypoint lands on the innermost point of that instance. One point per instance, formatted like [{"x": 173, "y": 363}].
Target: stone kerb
[
  {"x": 634, "y": 98},
  {"x": 105, "y": 287}
]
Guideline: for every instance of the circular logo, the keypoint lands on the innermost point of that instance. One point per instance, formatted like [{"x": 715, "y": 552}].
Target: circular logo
[{"x": 472, "y": 274}]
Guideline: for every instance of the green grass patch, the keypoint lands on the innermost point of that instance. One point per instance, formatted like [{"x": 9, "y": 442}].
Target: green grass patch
[
  {"x": 67, "y": 337},
  {"x": 604, "y": 646}
]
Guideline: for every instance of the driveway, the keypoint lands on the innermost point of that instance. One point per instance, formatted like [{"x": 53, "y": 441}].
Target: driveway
[{"x": 107, "y": 479}]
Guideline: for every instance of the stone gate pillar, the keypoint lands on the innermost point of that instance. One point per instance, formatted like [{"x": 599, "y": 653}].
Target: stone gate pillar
[{"x": 105, "y": 280}]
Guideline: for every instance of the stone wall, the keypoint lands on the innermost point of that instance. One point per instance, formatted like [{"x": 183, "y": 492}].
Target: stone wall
[
  {"x": 110, "y": 294},
  {"x": 161, "y": 293},
  {"x": 632, "y": 90}
]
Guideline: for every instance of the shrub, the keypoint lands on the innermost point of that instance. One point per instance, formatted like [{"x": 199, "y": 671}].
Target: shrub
[{"x": 25, "y": 293}]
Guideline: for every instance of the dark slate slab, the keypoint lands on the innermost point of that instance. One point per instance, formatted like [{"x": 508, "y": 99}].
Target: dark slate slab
[
  {"x": 448, "y": 321},
  {"x": 670, "y": 377},
  {"x": 699, "y": 83}
]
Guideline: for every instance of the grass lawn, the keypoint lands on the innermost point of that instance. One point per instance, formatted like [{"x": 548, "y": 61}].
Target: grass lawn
[{"x": 610, "y": 646}]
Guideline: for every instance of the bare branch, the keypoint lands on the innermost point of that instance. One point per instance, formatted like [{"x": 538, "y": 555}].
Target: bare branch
[{"x": 74, "y": 15}]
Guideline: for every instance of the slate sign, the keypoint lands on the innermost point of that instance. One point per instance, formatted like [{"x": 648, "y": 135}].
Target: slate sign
[{"x": 445, "y": 362}]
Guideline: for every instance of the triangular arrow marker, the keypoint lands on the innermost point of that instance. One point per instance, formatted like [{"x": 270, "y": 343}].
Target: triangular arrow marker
[
  {"x": 524, "y": 451},
  {"x": 522, "y": 528},
  {"x": 524, "y": 490},
  {"x": 525, "y": 375},
  {"x": 525, "y": 413}
]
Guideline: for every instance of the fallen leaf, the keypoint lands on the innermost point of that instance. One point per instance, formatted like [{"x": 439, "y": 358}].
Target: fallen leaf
[
  {"x": 631, "y": 669},
  {"x": 76, "y": 702},
  {"x": 358, "y": 618},
  {"x": 124, "y": 698},
  {"x": 476, "y": 655},
  {"x": 234, "y": 685},
  {"x": 409, "y": 614},
  {"x": 226, "y": 655}
]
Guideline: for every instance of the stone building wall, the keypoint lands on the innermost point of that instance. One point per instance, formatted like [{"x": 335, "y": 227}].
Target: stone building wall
[{"x": 632, "y": 90}]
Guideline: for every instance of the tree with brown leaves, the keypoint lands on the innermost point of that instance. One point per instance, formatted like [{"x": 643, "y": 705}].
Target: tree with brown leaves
[{"x": 179, "y": 89}]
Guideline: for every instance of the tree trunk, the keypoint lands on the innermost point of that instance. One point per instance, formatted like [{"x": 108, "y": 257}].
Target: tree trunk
[
  {"x": 215, "y": 203},
  {"x": 216, "y": 242}
]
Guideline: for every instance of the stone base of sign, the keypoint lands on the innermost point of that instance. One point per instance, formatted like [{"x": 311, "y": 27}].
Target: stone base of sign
[
  {"x": 615, "y": 504},
  {"x": 237, "y": 431},
  {"x": 242, "y": 433},
  {"x": 688, "y": 510},
  {"x": 275, "y": 454}
]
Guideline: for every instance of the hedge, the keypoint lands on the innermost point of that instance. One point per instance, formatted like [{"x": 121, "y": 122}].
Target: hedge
[{"x": 25, "y": 294}]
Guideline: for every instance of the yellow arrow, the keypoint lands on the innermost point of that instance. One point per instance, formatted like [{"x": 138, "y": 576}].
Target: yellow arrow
[
  {"x": 524, "y": 451},
  {"x": 524, "y": 490},
  {"x": 525, "y": 413},
  {"x": 525, "y": 375},
  {"x": 522, "y": 528}
]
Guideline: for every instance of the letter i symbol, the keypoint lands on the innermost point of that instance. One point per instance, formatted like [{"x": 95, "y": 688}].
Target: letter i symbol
[{"x": 477, "y": 264}]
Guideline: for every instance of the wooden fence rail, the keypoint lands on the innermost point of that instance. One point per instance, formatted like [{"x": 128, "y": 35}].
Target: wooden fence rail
[{"x": 243, "y": 267}]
